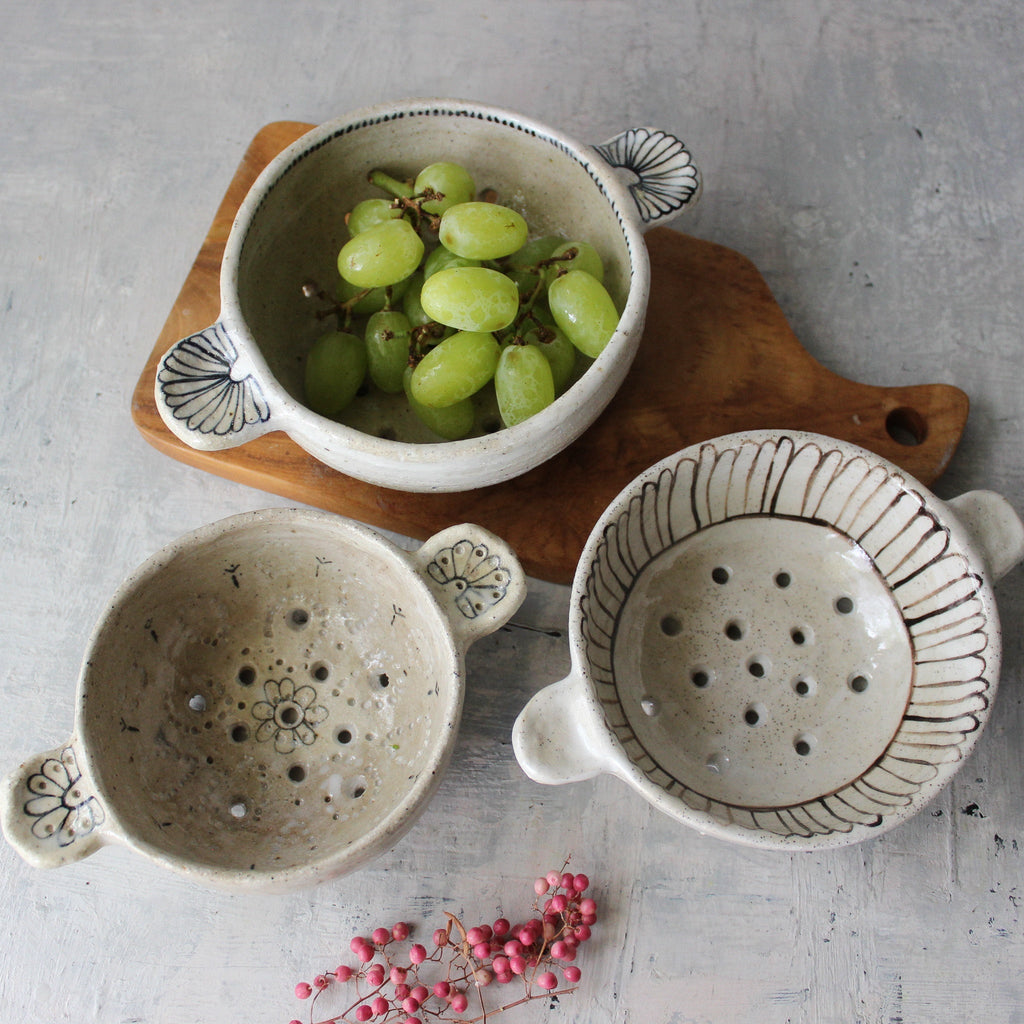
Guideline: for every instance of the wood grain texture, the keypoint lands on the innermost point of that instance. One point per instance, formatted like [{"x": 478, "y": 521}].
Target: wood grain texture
[{"x": 717, "y": 355}]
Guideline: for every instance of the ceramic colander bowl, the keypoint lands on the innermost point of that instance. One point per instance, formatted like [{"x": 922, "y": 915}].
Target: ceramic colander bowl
[
  {"x": 779, "y": 639},
  {"x": 242, "y": 377},
  {"x": 269, "y": 702}
]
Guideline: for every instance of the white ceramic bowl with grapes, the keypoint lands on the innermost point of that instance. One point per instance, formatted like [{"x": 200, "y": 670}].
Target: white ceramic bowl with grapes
[{"x": 245, "y": 375}]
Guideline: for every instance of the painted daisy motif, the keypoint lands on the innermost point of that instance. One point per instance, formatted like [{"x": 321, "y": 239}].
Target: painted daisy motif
[
  {"x": 287, "y": 715},
  {"x": 202, "y": 386},
  {"x": 665, "y": 176},
  {"x": 477, "y": 577},
  {"x": 61, "y": 804}
]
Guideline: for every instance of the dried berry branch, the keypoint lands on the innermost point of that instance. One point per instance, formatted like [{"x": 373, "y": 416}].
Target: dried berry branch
[{"x": 436, "y": 984}]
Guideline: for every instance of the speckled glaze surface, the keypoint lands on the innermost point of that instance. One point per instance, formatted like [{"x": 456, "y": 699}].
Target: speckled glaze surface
[
  {"x": 269, "y": 702},
  {"x": 242, "y": 377},
  {"x": 779, "y": 639}
]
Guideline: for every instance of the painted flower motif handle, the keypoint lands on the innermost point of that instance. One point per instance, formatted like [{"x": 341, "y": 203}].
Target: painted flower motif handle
[
  {"x": 658, "y": 170},
  {"x": 208, "y": 396},
  {"x": 475, "y": 577},
  {"x": 50, "y": 813}
]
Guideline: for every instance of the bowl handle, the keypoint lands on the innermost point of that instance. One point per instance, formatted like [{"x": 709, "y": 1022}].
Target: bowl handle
[
  {"x": 551, "y": 738},
  {"x": 658, "y": 170},
  {"x": 208, "y": 396},
  {"x": 475, "y": 577},
  {"x": 50, "y": 812},
  {"x": 994, "y": 526}
]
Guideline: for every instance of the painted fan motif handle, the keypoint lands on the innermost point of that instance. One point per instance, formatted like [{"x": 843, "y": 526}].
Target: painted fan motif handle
[{"x": 658, "y": 170}]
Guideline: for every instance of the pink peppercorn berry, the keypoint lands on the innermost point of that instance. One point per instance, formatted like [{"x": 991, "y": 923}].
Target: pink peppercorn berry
[
  {"x": 581, "y": 883},
  {"x": 343, "y": 973},
  {"x": 400, "y": 931},
  {"x": 417, "y": 953},
  {"x": 500, "y": 928},
  {"x": 303, "y": 990},
  {"x": 379, "y": 1006},
  {"x": 459, "y": 1002},
  {"x": 380, "y": 936},
  {"x": 363, "y": 1013},
  {"x": 571, "y": 974},
  {"x": 375, "y": 975},
  {"x": 547, "y": 980}
]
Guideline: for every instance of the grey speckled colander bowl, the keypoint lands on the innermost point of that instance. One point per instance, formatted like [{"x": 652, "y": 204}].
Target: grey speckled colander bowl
[{"x": 269, "y": 702}]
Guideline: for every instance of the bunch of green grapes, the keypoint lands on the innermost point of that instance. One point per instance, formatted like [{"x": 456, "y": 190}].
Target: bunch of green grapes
[{"x": 440, "y": 295}]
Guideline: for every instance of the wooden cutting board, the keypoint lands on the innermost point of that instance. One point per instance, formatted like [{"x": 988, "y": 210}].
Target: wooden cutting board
[{"x": 717, "y": 356}]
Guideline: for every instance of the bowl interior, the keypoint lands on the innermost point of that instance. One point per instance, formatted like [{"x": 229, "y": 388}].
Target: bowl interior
[
  {"x": 270, "y": 697},
  {"x": 785, "y": 637},
  {"x": 299, "y": 228}
]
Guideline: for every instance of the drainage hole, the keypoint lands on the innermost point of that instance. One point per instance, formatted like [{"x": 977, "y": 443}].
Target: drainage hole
[
  {"x": 756, "y": 669},
  {"x": 754, "y": 715},
  {"x": 671, "y": 626},
  {"x": 297, "y": 773},
  {"x": 700, "y": 678},
  {"x": 858, "y": 683},
  {"x": 803, "y": 687},
  {"x": 799, "y": 636},
  {"x": 343, "y": 736},
  {"x": 804, "y": 744},
  {"x": 197, "y": 702},
  {"x": 299, "y": 617},
  {"x": 240, "y": 733},
  {"x": 289, "y": 715},
  {"x": 720, "y": 574},
  {"x": 844, "y": 605},
  {"x": 247, "y": 675},
  {"x": 783, "y": 579},
  {"x": 734, "y": 630}
]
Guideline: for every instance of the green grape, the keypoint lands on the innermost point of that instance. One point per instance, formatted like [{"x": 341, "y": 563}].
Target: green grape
[
  {"x": 442, "y": 259},
  {"x": 455, "y": 369},
  {"x": 586, "y": 258},
  {"x": 373, "y": 300},
  {"x": 523, "y": 383},
  {"x": 369, "y": 213},
  {"x": 482, "y": 231},
  {"x": 411, "y": 305},
  {"x": 583, "y": 310},
  {"x": 335, "y": 370},
  {"x": 471, "y": 298},
  {"x": 451, "y": 180},
  {"x": 450, "y": 422},
  {"x": 559, "y": 352},
  {"x": 387, "y": 349},
  {"x": 535, "y": 250},
  {"x": 521, "y": 265},
  {"x": 381, "y": 255}
]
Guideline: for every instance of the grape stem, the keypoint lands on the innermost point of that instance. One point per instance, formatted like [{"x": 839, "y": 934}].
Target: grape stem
[{"x": 385, "y": 181}]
